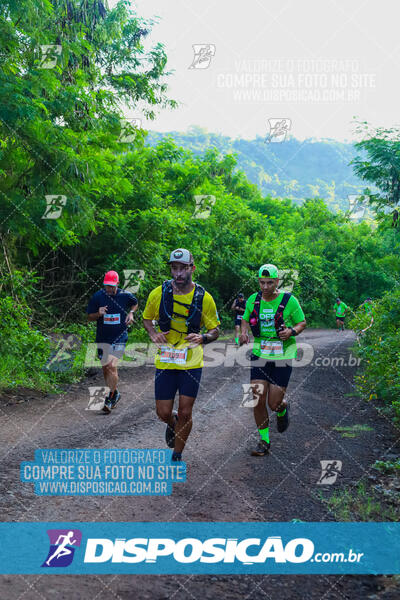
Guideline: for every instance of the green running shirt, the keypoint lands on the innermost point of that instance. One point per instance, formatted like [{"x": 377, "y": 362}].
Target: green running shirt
[
  {"x": 269, "y": 345},
  {"x": 340, "y": 309}
]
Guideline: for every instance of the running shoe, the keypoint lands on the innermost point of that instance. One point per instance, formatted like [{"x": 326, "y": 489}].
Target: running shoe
[
  {"x": 107, "y": 405},
  {"x": 170, "y": 431},
  {"x": 115, "y": 398},
  {"x": 282, "y": 423},
  {"x": 262, "y": 448}
]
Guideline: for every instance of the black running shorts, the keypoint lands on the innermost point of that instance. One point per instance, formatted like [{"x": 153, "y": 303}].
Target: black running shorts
[
  {"x": 169, "y": 381},
  {"x": 275, "y": 372}
]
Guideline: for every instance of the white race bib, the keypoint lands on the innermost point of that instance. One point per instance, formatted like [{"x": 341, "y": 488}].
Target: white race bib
[
  {"x": 271, "y": 347},
  {"x": 112, "y": 319},
  {"x": 169, "y": 354}
]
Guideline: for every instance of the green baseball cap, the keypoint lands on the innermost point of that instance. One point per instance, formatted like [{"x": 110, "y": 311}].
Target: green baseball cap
[{"x": 268, "y": 271}]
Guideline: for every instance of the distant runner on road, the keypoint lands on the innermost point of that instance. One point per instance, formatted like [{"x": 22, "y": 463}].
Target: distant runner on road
[
  {"x": 340, "y": 309},
  {"x": 238, "y": 305},
  {"x": 112, "y": 309},
  {"x": 181, "y": 308},
  {"x": 275, "y": 318}
]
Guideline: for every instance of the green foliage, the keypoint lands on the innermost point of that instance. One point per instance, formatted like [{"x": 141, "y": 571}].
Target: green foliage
[
  {"x": 319, "y": 169},
  {"x": 387, "y": 466},
  {"x": 60, "y": 125},
  {"x": 379, "y": 164},
  {"x": 128, "y": 204},
  {"x": 24, "y": 350},
  {"x": 379, "y": 379},
  {"x": 360, "y": 504}
]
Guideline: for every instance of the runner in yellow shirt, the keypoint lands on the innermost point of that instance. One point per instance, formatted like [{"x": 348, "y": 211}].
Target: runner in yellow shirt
[{"x": 181, "y": 308}]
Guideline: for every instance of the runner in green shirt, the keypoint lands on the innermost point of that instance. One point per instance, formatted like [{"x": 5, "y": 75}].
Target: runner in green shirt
[
  {"x": 340, "y": 309},
  {"x": 275, "y": 318}
]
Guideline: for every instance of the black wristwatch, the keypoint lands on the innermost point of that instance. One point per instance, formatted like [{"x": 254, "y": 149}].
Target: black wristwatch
[
  {"x": 294, "y": 332},
  {"x": 205, "y": 338}
]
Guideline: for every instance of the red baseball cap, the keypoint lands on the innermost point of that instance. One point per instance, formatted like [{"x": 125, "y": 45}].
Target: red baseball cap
[{"x": 111, "y": 278}]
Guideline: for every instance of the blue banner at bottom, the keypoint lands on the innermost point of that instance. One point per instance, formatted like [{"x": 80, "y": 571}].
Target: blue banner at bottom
[{"x": 208, "y": 548}]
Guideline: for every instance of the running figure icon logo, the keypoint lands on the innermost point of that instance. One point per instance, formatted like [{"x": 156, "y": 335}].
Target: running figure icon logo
[
  {"x": 54, "y": 206},
  {"x": 203, "y": 206},
  {"x": 129, "y": 129},
  {"x": 251, "y": 393},
  {"x": 97, "y": 395},
  {"x": 330, "y": 469},
  {"x": 278, "y": 130},
  {"x": 63, "y": 543},
  {"x": 48, "y": 56},
  {"x": 358, "y": 205},
  {"x": 133, "y": 279},
  {"x": 203, "y": 54}
]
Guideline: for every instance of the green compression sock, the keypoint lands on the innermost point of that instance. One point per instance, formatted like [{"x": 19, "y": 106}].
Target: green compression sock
[
  {"x": 280, "y": 414},
  {"x": 264, "y": 434},
  {"x": 237, "y": 340}
]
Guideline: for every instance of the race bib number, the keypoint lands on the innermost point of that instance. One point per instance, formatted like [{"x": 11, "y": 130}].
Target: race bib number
[
  {"x": 173, "y": 355},
  {"x": 239, "y": 316},
  {"x": 112, "y": 319},
  {"x": 268, "y": 347}
]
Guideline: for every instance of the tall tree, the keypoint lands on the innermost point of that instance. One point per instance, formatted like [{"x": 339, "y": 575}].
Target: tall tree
[{"x": 379, "y": 164}]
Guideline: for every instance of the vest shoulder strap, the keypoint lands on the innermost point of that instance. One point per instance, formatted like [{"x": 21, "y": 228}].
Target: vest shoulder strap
[{"x": 285, "y": 300}]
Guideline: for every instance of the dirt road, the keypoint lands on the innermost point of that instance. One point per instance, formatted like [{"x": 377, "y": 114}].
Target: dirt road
[{"x": 224, "y": 483}]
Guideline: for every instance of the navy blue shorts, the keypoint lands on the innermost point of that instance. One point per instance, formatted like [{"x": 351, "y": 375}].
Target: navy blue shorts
[
  {"x": 169, "y": 381},
  {"x": 238, "y": 320},
  {"x": 340, "y": 319},
  {"x": 271, "y": 371}
]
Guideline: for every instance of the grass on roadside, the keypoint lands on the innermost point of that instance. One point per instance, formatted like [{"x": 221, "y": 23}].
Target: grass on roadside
[
  {"x": 352, "y": 431},
  {"x": 360, "y": 504}
]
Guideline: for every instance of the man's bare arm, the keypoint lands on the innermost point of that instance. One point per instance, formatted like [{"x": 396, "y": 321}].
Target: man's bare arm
[
  {"x": 211, "y": 335},
  {"x": 94, "y": 316},
  {"x": 244, "y": 332},
  {"x": 286, "y": 333},
  {"x": 195, "y": 339},
  {"x": 158, "y": 337}
]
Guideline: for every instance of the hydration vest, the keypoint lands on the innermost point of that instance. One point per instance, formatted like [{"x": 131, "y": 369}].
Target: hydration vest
[
  {"x": 166, "y": 309},
  {"x": 254, "y": 318}
]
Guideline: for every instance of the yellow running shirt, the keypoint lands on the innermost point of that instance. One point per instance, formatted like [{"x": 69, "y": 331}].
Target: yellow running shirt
[{"x": 176, "y": 339}]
